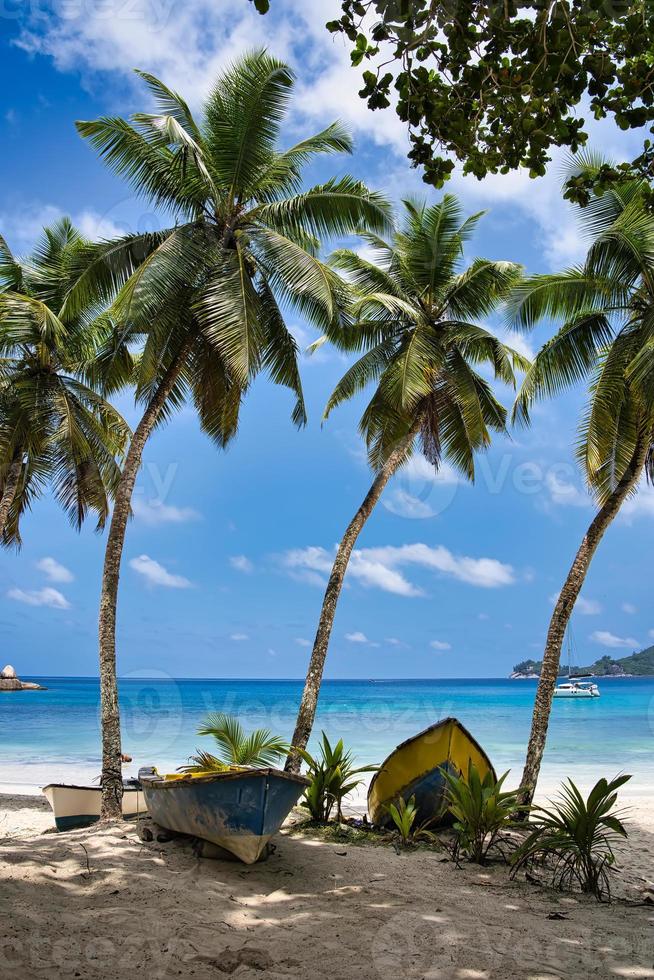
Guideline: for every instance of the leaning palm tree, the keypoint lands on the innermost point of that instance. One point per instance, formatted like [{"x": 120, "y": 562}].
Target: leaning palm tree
[
  {"x": 204, "y": 297},
  {"x": 607, "y": 309},
  {"x": 235, "y": 748},
  {"x": 415, "y": 318},
  {"x": 55, "y": 429}
]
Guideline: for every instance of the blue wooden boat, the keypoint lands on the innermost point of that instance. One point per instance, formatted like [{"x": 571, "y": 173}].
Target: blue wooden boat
[
  {"x": 239, "y": 809},
  {"x": 415, "y": 768}
]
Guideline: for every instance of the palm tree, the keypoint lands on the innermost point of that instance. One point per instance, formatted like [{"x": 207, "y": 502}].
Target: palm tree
[
  {"x": 415, "y": 320},
  {"x": 54, "y": 427},
  {"x": 235, "y": 748},
  {"x": 204, "y": 297},
  {"x": 607, "y": 308}
]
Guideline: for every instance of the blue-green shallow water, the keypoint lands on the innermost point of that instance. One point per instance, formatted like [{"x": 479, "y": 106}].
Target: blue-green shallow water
[{"x": 54, "y": 735}]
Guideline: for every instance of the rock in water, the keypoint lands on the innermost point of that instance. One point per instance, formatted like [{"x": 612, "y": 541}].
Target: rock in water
[{"x": 10, "y": 682}]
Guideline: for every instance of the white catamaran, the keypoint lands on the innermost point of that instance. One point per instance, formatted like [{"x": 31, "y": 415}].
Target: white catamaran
[{"x": 577, "y": 685}]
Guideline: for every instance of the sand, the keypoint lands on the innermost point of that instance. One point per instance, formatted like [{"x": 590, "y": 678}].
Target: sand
[{"x": 100, "y": 903}]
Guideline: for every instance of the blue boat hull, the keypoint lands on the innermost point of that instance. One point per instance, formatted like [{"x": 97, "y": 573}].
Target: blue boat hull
[{"x": 239, "y": 811}]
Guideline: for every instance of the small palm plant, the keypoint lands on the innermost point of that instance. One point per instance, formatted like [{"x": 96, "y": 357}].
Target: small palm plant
[
  {"x": 235, "y": 748},
  {"x": 332, "y": 778},
  {"x": 482, "y": 813},
  {"x": 580, "y": 836}
]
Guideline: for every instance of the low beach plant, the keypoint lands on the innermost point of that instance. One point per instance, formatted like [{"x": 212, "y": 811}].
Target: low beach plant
[
  {"x": 482, "y": 813},
  {"x": 333, "y": 775},
  {"x": 577, "y": 837},
  {"x": 234, "y": 747},
  {"x": 403, "y": 813}
]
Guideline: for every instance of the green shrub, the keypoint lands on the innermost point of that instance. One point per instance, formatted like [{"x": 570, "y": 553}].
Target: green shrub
[
  {"x": 332, "y": 778},
  {"x": 482, "y": 813},
  {"x": 579, "y": 836}
]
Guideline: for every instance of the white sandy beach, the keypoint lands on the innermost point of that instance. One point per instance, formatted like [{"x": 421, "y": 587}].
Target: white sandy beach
[{"x": 100, "y": 903}]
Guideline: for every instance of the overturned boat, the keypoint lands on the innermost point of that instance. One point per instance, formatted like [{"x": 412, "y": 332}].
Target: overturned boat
[
  {"x": 415, "y": 767},
  {"x": 238, "y": 809},
  {"x": 79, "y": 806}
]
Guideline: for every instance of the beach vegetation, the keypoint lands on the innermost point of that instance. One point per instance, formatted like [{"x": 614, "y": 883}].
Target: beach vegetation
[
  {"x": 234, "y": 747},
  {"x": 203, "y": 299},
  {"x": 332, "y": 774},
  {"x": 482, "y": 813},
  {"x": 605, "y": 308},
  {"x": 418, "y": 319},
  {"x": 57, "y": 428},
  {"x": 576, "y": 838},
  {"x": 497, "y": 86}
]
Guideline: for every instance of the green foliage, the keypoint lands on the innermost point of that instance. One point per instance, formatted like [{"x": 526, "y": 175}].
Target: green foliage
[
  {"x": 53, "y": 419},
  {"x": 497, "y": 88},
  {"x": 578, "y": 836},
  {"x": 332, "y": 776},
  {"x": 416, "y": 317},
  {"x": 209, "y": 292},
  {"x": 605, "y": 310},
  {"x": 497, "y": 85},
  {"x": 403, "y": 814},
  {"x": 482, "y": 812},
  {"x": 260, "y": 748},
  {"x": 641, "y": 664}
]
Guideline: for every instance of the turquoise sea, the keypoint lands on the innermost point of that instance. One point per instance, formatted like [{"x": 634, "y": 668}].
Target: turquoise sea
[{"x": 54, "y": 735}]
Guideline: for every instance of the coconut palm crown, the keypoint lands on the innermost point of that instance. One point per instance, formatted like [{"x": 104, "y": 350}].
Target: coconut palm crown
[
  {"x": 204, "y": 299},
  {"x": 415, "y": 318},
  {"x": 606, "y": 338},
  {"x": 55, "y": 428}
]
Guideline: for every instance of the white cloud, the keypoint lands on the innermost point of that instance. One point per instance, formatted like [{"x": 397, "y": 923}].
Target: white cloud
[
  {"x": 302, "y": 642},
  {"x": 47, "y": 596},
  {"x": 629, "y": 608},
  {"x": 153, "y": 513},
  {"x": 587, "y": 607},
  {"x": 239, "y": 637},
  {"x": 420, "y": 469},
  {"x": 241, "y": 563},
  {"x": 641, "y": 505},
  {"x": 54, "y": 571},
  {"x": 403, "y": 504},
  {"x": 562, "y": 493},
  {"x": 357, "y": 637},
  {"x": 156, "y": 574},
  {"x": 650, "y": 633},
  {"x": 614, "y": 642},
  {"x": 440, "y": 645},
  {"x": 378, "y": 567},
  {"x": 23, "y": 225}
]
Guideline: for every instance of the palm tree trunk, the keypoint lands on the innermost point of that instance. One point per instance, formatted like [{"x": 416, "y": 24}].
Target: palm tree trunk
[
  {"x": 308, "y": 704},
  {"x": 9, "y": 491},
  {"x": 112, "y": 782},
  {"x": 561, "y": 618}
]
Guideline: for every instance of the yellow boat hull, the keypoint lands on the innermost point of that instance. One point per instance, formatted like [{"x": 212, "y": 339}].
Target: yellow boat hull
[{"x": 414, "y": 769}]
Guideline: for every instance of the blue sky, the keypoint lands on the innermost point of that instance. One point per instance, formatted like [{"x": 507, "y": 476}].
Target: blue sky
[{"x": 227, "y": 554}]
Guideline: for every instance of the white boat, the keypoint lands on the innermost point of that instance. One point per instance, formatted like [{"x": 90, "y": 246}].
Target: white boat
[
  {"x": 574, "y": 688},
  {"x": 79, "y": 806}
]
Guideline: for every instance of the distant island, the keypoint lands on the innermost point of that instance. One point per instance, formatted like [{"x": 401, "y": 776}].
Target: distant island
[{"x": 637, "y": 665}]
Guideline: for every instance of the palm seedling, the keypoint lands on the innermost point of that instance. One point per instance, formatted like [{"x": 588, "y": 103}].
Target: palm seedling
[
  {"x": 332, "y": 776},
  {"x": 577, "y": 836}
]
